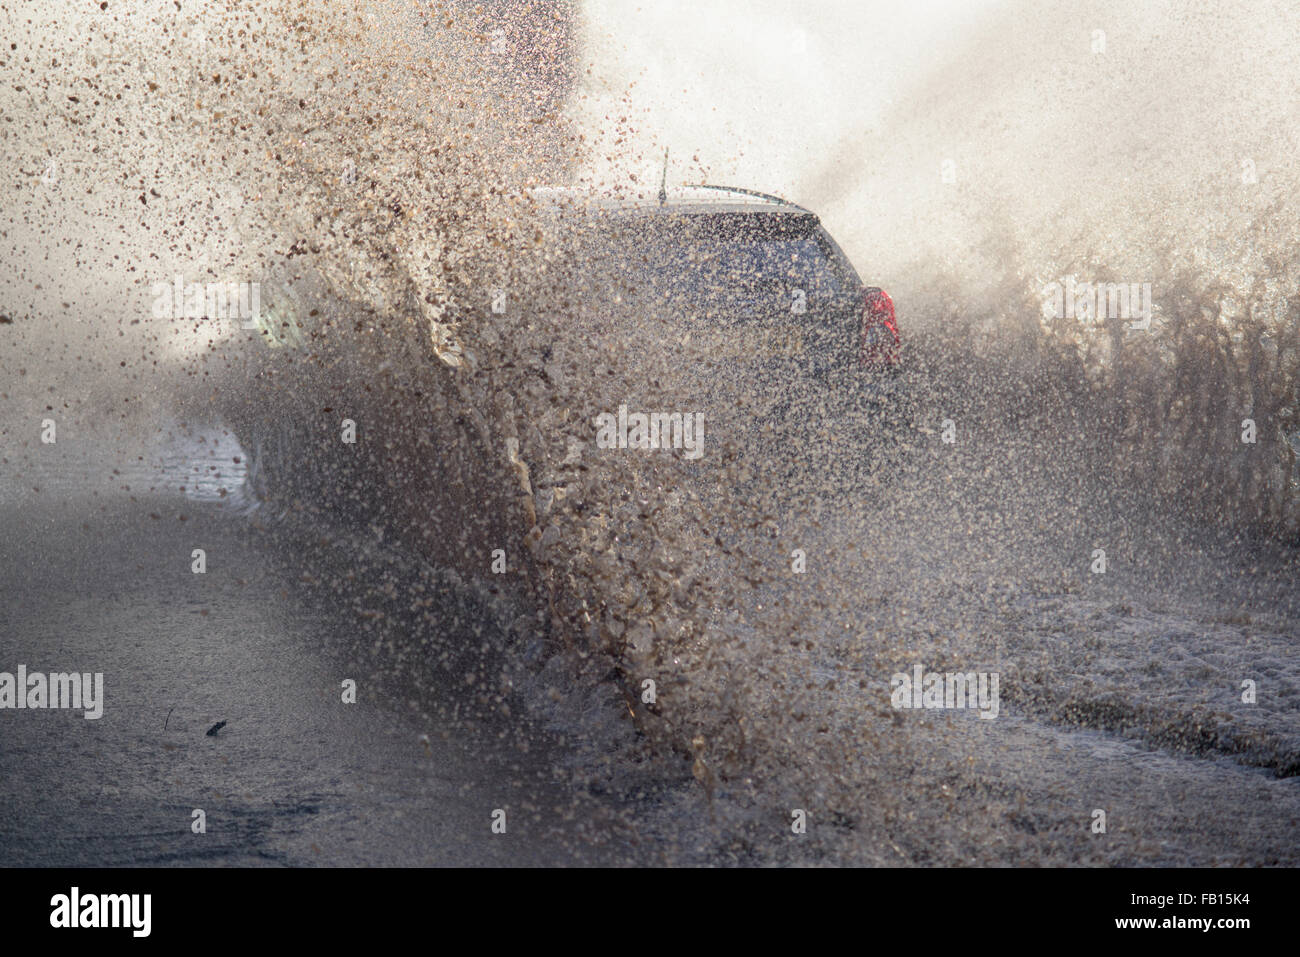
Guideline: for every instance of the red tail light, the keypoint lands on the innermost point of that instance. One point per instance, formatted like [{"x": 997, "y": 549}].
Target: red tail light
[{"x": 879, "y": 330}]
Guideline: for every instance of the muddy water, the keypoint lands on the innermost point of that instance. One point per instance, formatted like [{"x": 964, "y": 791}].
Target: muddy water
[
  {"x": 358, "y": 161},
  {"x": 101, "y": 578}
]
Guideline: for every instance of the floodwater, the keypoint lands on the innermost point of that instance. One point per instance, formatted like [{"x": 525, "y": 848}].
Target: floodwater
[
  {"x": 681, "y": 661},
  {"x": 99, "y": 576}
]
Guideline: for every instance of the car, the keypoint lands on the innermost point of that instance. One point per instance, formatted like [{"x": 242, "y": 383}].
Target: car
[
  {"x": 757, "y": 279},
  {"x": 789, "y": 336}
]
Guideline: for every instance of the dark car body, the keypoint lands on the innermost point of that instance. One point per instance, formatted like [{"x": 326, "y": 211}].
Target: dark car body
[{"x": 758, "y": 280}]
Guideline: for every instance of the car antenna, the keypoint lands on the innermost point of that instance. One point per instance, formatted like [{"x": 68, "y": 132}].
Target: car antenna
[{"x": 663, "y": 183}]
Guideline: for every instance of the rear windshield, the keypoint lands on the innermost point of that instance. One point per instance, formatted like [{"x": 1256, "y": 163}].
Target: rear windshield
[{"x": 718, "y": 263}]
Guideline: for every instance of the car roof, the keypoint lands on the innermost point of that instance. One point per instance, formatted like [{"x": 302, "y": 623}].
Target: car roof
[{"x": 680, "y": 200}]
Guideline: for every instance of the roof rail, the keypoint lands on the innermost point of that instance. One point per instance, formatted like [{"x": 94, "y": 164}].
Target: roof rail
[{"x": 747, "y": 192}]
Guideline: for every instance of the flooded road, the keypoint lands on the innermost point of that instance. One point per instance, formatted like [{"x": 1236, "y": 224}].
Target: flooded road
[
  {"x": 99, "y": 577},
  {"x": 389, "y": 475},
  {"x": 98, "y": 574}
]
